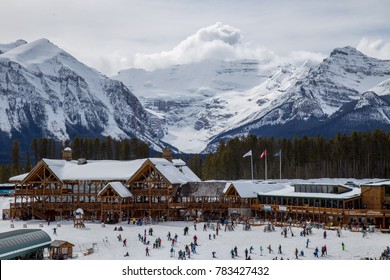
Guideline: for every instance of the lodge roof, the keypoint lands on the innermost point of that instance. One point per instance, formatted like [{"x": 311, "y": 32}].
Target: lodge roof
[
  {"x": 113, "y": 170},
  {"x": 119, "y": 188}
]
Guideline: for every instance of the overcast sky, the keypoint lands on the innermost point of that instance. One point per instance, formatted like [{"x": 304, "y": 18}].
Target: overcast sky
[{"x": 118, "y": 34}]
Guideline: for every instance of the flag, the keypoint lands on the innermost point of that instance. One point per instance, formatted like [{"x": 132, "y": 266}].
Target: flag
[
  {"x": 263, "y": 154},
  {"x": 277, "y": 154},
  {"x": 248, "y": 154}
]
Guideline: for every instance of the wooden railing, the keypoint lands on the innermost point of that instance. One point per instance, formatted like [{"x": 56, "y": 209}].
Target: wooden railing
[{"x": 325, "y": 210}]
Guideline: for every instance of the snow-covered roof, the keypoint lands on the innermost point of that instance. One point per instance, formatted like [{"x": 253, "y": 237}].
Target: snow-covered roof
[
  {"x": 250, "y": 189},
  {"x": 119, "y": 188},
  {"x": 378, "y": 183},
  {"x": 113, "y": 170},
  {"x": 18, "y": 178},
  {"x": 107, "y": 170}
]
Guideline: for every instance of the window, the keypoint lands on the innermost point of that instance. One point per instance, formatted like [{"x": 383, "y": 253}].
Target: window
[{"x": 387, "y": 190}]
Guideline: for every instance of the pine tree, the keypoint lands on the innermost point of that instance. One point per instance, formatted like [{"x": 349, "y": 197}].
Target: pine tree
[{"x": 16, "y": 166}]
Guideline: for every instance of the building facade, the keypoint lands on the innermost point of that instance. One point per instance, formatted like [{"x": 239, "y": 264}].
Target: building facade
[{"x": 165, "y": 188}]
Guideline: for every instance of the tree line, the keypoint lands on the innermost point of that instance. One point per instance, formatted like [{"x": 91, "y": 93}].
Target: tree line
[{"x": 357, "y": 155}]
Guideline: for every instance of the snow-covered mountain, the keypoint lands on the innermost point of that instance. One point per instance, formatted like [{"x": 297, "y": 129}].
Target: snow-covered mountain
[
  {"x": 45, "y": 92},
  {"x": 200, "y": 104},
  {"x": 184, "y": 98}
]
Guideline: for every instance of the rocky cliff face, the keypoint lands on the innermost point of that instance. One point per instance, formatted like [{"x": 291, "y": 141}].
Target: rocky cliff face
[{"x": 45, "y": 92}]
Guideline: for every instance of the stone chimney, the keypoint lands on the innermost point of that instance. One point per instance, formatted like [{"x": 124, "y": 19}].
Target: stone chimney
[
  {"x": 67, "y": 154},
  {"x": 167, "y": 154}
]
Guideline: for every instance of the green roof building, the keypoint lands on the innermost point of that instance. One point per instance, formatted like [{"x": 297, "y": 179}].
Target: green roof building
[{"x": 23, "y": 244}]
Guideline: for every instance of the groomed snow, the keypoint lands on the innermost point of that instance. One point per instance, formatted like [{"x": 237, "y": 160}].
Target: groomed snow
[{"x": 107, "y": 246}]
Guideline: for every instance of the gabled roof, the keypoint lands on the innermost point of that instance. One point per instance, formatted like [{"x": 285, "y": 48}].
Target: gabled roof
[
  {"x": 22, "y": 241},
  {"x": 105, "y": 170},
  {"x": 119, "y": 188},
  {"x": 114, "y": 170},
  {"x": 59, "y": 243},
  {"x": 247, "y": 189},
  {"x": 175, "y": 172}
]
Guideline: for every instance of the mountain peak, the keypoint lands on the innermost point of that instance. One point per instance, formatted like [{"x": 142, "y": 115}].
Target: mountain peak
[
  {"x": 370, "y": 98},
  {"x": 348, "y": 50},
  {"x": 34, "y": 52}
]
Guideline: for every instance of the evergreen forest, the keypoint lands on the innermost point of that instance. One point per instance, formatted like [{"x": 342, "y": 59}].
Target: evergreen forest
[{"x": 357, "y": 155}]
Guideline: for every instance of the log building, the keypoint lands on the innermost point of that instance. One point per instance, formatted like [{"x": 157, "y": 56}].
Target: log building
[{"x": 165, "y": 188}]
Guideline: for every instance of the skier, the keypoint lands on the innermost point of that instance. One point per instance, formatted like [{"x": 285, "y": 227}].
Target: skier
[
  {"x": 280, "y": 249},
  {"x": 235, "y": 251},
  {"x": 296, "y": 253},
  {"x": 324, "y": 234},
  {"x": 214, "y": 254},
  {"x": 261, "y": 250},
  {"x": 246, "y": 253},
  {"x": 307, "y": 243},
  {"x": 172, "y": 252},
  {"x": 147, "y": 251},
  {"x": 251, "y": 249},
  {"x": 316, "y": 252},
  {"x": 270, "y": 249},
  {"x": 55, "y": 231},
  {"x": 232, "y": 253},
  {"x": 127, "y": 254},
  {"x": 124, "y": 242},
  {"x": 342, "y": 246}
]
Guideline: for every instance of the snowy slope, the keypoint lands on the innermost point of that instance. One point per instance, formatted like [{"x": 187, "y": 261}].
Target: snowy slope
[
  {"x": 184, "y": 97},
  {"x": 199, "y": 104},
  {"x": 45, "y": 92},
  {"x": 107, "y": 247},
  {"x": 6, "y": 47},
  {"x": 318, "y": 95}
]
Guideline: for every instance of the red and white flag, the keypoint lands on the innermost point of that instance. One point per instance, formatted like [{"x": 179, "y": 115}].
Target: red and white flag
[{"x": 263, "y": 154}]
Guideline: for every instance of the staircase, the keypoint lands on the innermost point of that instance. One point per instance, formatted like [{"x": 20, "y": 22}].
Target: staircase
[{"x": 39, "y": 214}]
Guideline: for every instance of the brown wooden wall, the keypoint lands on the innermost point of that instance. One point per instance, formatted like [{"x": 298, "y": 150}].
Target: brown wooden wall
[{"x": 373, "y": 196}]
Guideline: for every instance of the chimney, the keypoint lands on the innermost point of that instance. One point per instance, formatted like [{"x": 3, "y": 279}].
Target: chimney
[
  {"x": 167, "y": 154},
  {"x": 67, "y": 154}
]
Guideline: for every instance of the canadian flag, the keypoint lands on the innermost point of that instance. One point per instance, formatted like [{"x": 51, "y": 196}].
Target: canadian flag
[{"x": 263, "y": 154}]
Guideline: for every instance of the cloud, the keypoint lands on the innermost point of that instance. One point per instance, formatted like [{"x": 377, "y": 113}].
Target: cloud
[
  {"x": 299, "y": 57},
  {"x": 374, "y": 48},
  {"x": 218, "y": 41}
]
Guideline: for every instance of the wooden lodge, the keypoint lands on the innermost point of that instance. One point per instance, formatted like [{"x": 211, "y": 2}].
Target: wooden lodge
[{"x": 165, "y": 188}]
